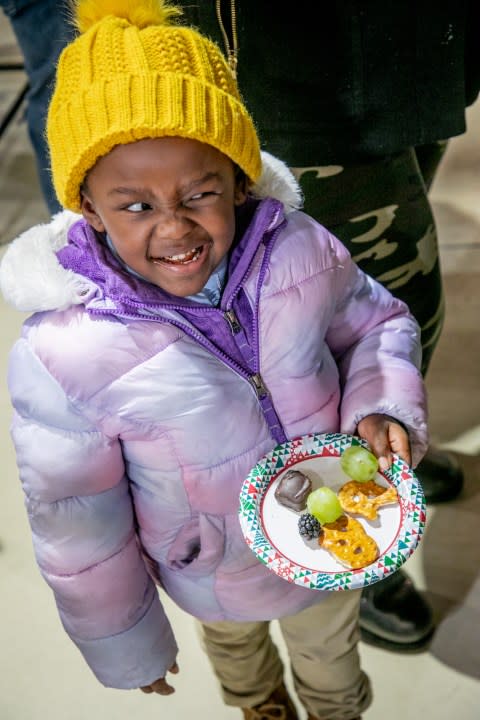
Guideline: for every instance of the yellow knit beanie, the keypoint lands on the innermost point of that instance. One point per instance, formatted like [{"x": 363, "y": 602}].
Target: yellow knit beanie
[{"x": 133, "y": 74}]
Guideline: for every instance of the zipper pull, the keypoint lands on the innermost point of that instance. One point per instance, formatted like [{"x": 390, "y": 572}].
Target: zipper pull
[
  {"x": 235, "y": 326},
  {"x": 233, "y": 62},
  {"x": 258, "y": 385}
]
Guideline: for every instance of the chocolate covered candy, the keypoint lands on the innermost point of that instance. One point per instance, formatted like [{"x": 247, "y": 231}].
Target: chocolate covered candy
[{"x": 293, "y": 489}]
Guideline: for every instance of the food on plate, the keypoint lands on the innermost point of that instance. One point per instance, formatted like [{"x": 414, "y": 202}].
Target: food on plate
[
  {"x": 359, "y": 463},
  {"x": 308, "y": 526},
  {"x": 326, "y": 516},
  {"x": 323, "y": 504},
  {"x": 348, "y": 542},
  {"x": 364, "y": 498},
  {"x": 293, "y": 490}
]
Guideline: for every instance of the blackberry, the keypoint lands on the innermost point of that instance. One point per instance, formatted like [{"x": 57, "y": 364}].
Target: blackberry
[{"x": 308, "y": 526}]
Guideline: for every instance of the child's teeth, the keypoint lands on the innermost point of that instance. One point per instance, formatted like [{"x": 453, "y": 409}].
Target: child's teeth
[{"x": 184, "y": 257}]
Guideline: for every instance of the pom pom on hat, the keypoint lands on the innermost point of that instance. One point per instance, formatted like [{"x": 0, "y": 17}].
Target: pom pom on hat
[
  {"x": 141, "y": 14},
  {"x": 135, "y": 74}
]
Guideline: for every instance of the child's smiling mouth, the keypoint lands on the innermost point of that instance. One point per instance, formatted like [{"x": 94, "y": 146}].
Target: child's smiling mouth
[{"x": 181, "y": 258}]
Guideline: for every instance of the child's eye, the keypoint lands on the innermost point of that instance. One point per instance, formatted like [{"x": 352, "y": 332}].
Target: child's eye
[
  {"x": 138, "y": 207},
  {"x": 202, "y": 198}
]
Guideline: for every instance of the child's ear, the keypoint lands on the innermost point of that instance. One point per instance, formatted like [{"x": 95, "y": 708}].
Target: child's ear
[
  {"x": 90, "y": 214},
  {"x": 242, "y": 185}
]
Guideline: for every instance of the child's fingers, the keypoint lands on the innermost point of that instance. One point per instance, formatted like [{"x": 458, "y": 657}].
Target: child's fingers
[
  {"x": 381, "y": 448},
  {"x": 385, "y": 436},
  {"x": 160, "y": 687},
  {"x": 374, "y": 429},
  {"x": 399, "y": 442}
]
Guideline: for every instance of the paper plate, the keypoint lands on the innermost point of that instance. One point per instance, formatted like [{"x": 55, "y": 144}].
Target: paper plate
[{"x": 271, "y": 529}]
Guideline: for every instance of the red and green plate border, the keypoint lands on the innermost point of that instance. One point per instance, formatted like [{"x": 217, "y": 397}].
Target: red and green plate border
[{"x": 400, "y": 475}]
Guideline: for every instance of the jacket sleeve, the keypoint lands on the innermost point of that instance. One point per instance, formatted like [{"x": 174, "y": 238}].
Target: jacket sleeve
[
  {"x": 376, "y": 343},
  {"x": 82, "y": 521}
]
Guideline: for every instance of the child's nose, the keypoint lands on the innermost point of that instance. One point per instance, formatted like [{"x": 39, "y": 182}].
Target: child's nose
[{"x": 171, "y": 223}]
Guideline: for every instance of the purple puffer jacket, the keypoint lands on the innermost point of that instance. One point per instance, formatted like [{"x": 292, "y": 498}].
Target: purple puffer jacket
[{"x": 138, "y": 416}]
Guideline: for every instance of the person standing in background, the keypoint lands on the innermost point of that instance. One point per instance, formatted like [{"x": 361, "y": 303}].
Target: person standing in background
[
  {"x": 360, "y": 104},
  {"x": 42, "y": 29}
]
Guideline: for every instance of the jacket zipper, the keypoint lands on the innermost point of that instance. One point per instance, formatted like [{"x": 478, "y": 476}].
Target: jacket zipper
[
  {"x": 253, "y": 378},
  {"x": 259, "y": 386},
  {"x": 230, "y": 41},
  {"x": 232, "y": 320}
]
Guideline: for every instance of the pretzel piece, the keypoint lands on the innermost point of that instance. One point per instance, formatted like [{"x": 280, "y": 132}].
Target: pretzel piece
[
  {"x": 365, "y": 498},
  {"x": 348, "y": 542}
]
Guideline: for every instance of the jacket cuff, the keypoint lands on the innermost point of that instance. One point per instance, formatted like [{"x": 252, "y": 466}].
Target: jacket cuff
[{"x": 136, "y": 657}]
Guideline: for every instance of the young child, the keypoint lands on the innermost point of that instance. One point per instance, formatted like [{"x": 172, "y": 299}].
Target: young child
[{"x": 189, "y": 322}]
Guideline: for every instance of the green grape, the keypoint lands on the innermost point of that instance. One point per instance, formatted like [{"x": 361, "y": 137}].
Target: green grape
[
  {"x": 324, "y": 504},
  {"x": 359, "y": 464}
]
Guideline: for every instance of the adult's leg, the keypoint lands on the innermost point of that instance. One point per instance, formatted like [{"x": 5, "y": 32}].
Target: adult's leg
[
  {"x": 380, "y": 210},
  {"x": 429, "y": 158},
  {"x": 440, "y": 471},
  {"x": 42, "y": 30}
]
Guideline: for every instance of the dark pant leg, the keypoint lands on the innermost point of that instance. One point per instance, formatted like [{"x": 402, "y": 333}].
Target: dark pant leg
[
  {"x": 429, "y": 157},
  {"x": 380, "y": 210},
  {"x": 42, "y": 30}
]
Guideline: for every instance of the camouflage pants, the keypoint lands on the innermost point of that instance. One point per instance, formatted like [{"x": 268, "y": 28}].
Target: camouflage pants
[{"x": 381, "y": 212}]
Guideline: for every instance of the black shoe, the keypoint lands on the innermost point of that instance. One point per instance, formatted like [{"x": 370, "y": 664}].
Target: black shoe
[
  {"x": 394, "y": 615},
  {"x": 440, "y": 476}
]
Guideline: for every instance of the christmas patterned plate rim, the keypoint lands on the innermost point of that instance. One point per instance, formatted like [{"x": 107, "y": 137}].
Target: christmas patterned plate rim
[{"x": 271, "y": 529}]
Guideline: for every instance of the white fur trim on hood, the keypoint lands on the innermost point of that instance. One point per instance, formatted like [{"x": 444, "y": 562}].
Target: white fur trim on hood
[
  {"x": 278, "y": 181},
  {"x": 32, "y": 279}
]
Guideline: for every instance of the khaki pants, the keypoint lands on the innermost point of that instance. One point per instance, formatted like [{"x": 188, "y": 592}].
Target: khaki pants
[{"x": 322, "y": 648}]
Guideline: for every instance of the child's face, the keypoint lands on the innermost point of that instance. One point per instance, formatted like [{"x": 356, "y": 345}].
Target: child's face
[{"x": 168, "y": 205}]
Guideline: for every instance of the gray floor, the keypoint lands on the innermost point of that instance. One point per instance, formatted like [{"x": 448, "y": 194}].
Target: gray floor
[{"x": 43, "y": 676}]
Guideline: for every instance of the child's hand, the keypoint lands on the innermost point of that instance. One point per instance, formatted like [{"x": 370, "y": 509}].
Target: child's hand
[
  {"x": 160, "y": 686},
  {"x": 385, "y": 435}
]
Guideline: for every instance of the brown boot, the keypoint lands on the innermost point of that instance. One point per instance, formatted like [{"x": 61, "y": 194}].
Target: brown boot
[{"x": 279, "y": 706}]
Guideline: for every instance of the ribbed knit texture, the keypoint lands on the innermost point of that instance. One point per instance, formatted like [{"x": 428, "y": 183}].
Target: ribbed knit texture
[{"x": 118, "y": 83}]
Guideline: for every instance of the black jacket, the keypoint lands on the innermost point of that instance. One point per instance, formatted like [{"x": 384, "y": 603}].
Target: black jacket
[{"x": 366, "y": 79}]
